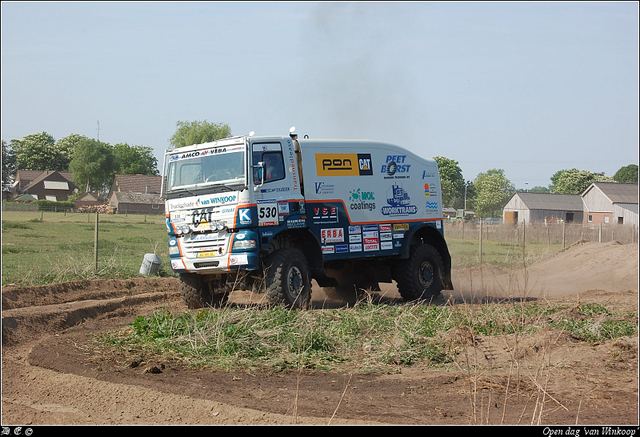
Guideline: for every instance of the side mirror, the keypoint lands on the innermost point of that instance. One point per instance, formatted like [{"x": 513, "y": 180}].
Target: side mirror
[{"x": 258, "y": 175}]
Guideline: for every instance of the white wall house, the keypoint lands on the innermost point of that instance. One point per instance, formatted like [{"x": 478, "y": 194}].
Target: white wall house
[
  {"x": 535, "y": 208},
  {"x": 611, "y": 203}
]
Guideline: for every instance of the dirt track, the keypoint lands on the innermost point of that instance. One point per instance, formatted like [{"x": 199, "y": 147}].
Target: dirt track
[{"x": 51, "y": 376}]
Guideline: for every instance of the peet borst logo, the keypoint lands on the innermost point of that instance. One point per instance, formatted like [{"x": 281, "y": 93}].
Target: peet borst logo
[{"x": 344, "y": 164}]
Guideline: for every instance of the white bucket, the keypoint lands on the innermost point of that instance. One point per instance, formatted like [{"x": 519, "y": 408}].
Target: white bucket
[{"x": 150, "y": 264}]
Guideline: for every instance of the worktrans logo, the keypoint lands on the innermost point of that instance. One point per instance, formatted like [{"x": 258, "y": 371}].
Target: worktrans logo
[
  {"x": 344, "y": 164},
  {"x": 399, "y": 203}
]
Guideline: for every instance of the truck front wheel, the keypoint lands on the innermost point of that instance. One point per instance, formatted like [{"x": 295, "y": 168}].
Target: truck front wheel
[
  {"x": 287, "y": 278},
  {"x": 420, "y": 277},
  {"x": 196, "y": 294}
]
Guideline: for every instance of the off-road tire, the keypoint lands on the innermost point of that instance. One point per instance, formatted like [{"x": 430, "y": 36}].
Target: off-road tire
[
  {"x": 287, "y": 279},
  {"x": 420, "y": 277},
  {"x": 195, "y": 292}
]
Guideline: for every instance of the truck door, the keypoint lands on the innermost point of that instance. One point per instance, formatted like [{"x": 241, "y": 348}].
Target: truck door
[{"x": 276, "y": 193}]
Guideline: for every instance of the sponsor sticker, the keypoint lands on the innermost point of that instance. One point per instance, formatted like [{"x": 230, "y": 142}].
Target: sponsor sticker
[
  {"x": 244, "y": 216},
  {"x": 371, "y": 247},
  {"x": 342, "y": 248},
  {"x": 344, "y": 164},
  {"x": 398, "y": 201},
  {"x": 355, "y": 238},
  {"x": 386, "y": 245},
  {"x": 333, "y": 235},
  {"x": 370, "y": 234},
  {"x": 324, "y": 188},
  {"x": 325, "y": 214},
  {"x": 235, "y": 260},
  {"x": 395, "y": 167}
]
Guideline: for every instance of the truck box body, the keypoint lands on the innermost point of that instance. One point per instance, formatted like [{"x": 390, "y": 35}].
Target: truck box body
[{"x": 363, "y": 196}]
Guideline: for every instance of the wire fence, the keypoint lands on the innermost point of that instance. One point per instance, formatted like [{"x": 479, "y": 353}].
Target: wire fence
[{"x": 556, "y": 233}]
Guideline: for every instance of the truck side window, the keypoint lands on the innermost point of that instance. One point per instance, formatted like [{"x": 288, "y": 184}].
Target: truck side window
[{"x": 273, "y": 166}]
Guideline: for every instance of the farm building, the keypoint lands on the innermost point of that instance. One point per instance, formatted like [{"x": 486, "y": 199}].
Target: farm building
[
  {"x": 535, "y": 208},
  {"x": 136, "y": 194},
  {"x": 89, "y": 199},
  {"x": 49, "y": 185},
  {"x": 611, "y": 203}
]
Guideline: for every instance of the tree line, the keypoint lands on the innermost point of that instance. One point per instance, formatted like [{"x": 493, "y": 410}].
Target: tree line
[{"x": 94, "y": 164}]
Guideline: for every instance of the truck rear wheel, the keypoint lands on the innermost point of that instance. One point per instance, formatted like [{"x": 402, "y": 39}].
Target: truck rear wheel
[
  {"x": 287, "y": 279},
  {"x": 196, "y": 294},
  {"x": 420, "y": 277}
]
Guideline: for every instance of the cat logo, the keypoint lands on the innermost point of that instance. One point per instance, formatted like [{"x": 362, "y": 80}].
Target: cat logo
[{"x": 344, "y": 164}]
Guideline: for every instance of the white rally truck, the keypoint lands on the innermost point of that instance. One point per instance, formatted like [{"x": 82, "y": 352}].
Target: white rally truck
[{"x": 271, "y": 214}]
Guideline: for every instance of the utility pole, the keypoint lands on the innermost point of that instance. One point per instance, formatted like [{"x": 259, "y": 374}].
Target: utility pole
[{"x": 98, "y": 129}]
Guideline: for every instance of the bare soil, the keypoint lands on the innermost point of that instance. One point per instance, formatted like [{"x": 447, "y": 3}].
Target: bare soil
[{"x": 51, "y": 374}]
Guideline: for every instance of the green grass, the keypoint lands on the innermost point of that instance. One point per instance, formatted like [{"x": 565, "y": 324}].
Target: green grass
[
  {"x": 60, "y": 247},
  {"x": 365, "y": 338}
]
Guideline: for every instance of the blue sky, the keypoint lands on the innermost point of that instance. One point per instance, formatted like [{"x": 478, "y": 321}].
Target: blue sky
[{"x": 531, "y": 88}]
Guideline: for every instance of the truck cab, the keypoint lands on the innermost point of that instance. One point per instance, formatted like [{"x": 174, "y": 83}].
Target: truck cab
[{"x": 272, "y": 213}]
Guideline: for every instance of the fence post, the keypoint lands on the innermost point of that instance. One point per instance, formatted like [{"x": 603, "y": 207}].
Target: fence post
[
  {"x": 524, "y": 236},
  {"x": 95, "y": 244},
  {"x": 480, "y": 246},
  {"x": 563, "y": 234},
  {"x": 600, "y": 233}
]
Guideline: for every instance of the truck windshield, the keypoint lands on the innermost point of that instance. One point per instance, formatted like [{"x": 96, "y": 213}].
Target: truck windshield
[{"x": 206, "y": 168}]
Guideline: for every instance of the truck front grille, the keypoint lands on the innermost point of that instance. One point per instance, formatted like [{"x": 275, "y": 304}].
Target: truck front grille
[{"x": 205, "y": 245}]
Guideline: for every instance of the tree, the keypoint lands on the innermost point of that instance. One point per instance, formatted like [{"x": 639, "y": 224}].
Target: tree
[
  {"x": 493, "y": 191},
  {"x": 135, "y": 160},
  {"x": 66, "y": 145},
  {"x": 451, "y": 182},
  {"x": 93, "y": 165},
  {"x": 198, "y": 132},
  {"x": 8, "y": 163},
  {"x": 38, "y": 152},
  {"x": 627, "y": 174},
  {"x": 571, "y": 181},
  {"x": 537, "y": 189}
]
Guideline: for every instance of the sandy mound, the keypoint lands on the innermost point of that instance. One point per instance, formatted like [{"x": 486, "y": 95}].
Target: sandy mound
[{"x": 579, "y": 268}]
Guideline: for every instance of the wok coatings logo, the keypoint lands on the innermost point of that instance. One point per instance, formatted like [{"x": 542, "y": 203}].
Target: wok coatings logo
[
  {"x": 344, "y": 164},
  {"x": 360, "y": 200}
]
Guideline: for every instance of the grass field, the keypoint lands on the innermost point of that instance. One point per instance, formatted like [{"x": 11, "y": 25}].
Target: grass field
[
  {"x": 41, "y": 248},
  {"x": 47, "y": 247}
]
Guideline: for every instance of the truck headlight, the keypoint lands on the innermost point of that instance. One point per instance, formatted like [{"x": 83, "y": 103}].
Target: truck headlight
[
  {"x": 174, "y": 250},
  {"x": 184, "y": 229},
  {"x": 244, "y": 244}
]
